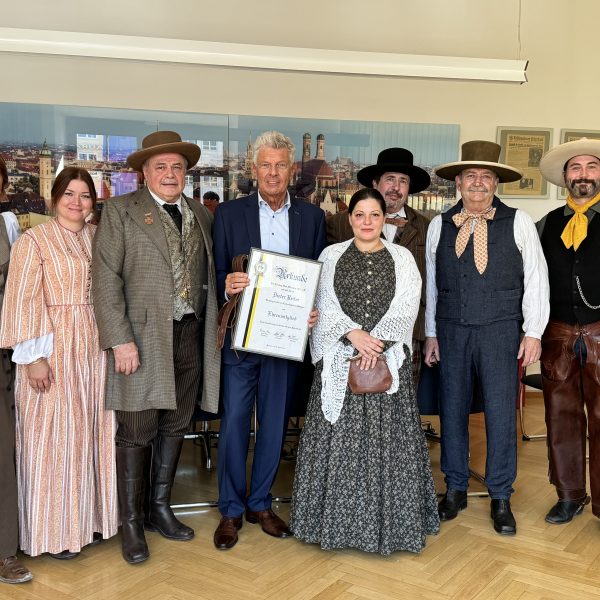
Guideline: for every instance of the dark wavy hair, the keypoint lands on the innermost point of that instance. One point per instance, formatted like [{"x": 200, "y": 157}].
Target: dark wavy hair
[
  {"x": 366, "y": 194},
  {"x": 68, "y": 174},
  {"x": 3, "y": 175}
]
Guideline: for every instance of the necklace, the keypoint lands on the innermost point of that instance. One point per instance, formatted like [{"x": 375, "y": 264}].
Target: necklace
[{"x": 371, "y": 250}]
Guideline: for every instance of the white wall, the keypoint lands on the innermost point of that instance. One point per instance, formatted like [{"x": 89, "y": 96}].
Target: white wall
[{"x": 559, "y": 38}]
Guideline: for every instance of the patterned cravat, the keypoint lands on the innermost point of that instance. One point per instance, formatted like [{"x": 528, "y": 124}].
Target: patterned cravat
[
  {"x": 173, "y": 210},
  {"x": 464, "y": 220},
  {"x": 397, "y": 221}
]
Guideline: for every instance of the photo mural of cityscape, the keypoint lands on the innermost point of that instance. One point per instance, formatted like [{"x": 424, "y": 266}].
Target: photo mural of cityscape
[{"x": 37, "y": 141}]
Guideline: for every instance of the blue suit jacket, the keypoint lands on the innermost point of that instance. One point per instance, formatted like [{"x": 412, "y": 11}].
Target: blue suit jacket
[{"x": 236, "y": 229}]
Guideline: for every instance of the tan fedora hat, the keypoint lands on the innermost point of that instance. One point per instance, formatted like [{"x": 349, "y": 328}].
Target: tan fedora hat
[
  {"x": 479, "y": 154},
  {"x": 552, "y": 164},
  {"x": 163, "y": 142}
]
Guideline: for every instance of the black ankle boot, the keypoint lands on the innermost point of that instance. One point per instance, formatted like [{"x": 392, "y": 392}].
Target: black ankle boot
[
  {"x": 451, "y": 503},
  {"x": 564, "y": 510},
  {"x": 160, "y": 517},
  {"x": 504, "y": 521},
  {"x": 131, "y": 465}
]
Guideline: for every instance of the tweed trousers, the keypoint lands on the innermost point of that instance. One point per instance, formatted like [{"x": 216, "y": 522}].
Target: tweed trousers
[{"x": 138, "y": 429}]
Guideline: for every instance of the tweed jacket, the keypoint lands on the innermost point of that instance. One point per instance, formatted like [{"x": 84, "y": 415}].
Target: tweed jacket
[
  {"x": 132, "y": 286},
  {"x": 412, "y": 237}
]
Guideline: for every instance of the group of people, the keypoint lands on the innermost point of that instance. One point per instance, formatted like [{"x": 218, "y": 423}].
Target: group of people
[{"x": 114, "y": 333}]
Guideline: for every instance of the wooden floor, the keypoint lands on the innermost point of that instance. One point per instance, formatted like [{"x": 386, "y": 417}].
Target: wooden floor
[{"x": 466, "y": 560}]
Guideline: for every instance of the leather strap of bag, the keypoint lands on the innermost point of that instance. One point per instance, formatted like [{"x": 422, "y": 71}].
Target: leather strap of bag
[{"x": 226, "y": 315}]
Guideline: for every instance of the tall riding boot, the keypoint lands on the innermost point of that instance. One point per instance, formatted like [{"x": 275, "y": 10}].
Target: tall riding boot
[
  {"x": 131, "y": 464},
  {"x": 160, "y": 517}
]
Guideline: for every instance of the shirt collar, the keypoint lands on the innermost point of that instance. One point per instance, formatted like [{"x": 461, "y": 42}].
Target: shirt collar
[
  {"x": 263, "y": 202},
  {"x": 400, "y": 214},
  {"x": 161, "y": 202},
  {"x": 569, "y": 211}
]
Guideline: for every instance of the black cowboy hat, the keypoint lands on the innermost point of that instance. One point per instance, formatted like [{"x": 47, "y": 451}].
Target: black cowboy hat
[{"x": 396, "y": 160}]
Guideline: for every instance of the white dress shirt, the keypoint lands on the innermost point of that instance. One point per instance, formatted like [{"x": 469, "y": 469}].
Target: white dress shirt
[
  {"x": 389, "y": 230},
  {"x": 536, "y": 295}
]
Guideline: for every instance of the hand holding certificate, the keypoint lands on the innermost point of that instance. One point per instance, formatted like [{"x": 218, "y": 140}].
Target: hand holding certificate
[{"x": 274, "y": 309}]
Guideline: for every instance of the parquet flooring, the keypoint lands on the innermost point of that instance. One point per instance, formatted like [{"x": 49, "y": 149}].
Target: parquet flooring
[{"x": 467, "y": 560}]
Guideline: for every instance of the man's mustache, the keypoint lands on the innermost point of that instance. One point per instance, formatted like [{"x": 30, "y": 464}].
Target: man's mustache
[{"x": 578, "y": 181}]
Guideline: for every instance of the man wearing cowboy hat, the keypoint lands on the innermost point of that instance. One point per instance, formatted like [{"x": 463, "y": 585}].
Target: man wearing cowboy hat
[
  {"x": 154, "y": 290},
  {"x": 395, "y": 177},
  {"x": 570, "y": 361},
  {"x": 486, "y": 280}
]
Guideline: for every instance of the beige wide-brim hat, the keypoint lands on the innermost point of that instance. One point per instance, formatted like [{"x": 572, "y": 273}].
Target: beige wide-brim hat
[
  {"x": 163, "y": 142},
  {"x": 552, "y": 164},
  {"x": 479, "y": 154}
]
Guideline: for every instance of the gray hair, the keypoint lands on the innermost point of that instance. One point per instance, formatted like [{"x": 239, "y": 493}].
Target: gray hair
[{"x": 276, "y": 141}]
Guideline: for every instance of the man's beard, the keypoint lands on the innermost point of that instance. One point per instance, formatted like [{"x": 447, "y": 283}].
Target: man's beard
[
  {"x": 393, "y": 204},
  {"x": 592, "y": 186}
]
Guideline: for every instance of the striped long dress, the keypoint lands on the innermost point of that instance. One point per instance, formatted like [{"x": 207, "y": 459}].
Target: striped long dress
[{"x": 64, "y": 438}]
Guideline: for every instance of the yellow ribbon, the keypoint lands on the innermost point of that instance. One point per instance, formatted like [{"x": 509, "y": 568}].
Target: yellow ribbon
[{"x": 575, "y": 230}]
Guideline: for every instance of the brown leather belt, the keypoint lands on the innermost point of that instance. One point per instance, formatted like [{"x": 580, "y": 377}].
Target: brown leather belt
[{"x": 226, "y": 315}]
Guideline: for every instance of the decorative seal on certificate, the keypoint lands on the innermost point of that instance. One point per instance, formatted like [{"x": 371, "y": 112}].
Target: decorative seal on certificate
[{"x": 261, "y": 267}]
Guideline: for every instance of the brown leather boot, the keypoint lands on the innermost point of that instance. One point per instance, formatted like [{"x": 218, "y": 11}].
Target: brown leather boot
[
  {"x": 160, "y": 517},
  {"x": 131, "y": 464}
]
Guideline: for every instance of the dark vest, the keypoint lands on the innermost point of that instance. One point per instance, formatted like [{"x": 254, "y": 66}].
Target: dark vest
[
  {"x": 565, "y": 265},
  {"x": 465, "y": 296}
]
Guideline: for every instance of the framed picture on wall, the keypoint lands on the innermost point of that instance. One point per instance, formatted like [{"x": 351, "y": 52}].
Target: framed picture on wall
[
  {"x": 570, "y": 135},
  {"x": 523, "y": 148}
]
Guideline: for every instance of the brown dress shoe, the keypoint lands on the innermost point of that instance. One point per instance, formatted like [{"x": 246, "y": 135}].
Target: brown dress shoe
[
  {"x": 12, "y": 571},
  {"x": 269, "y": 522},
  {"x": 226, "y": 533}
]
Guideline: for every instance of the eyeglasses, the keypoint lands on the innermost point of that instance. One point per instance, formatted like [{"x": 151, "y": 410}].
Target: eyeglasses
[{"x": 280, "y": 166}]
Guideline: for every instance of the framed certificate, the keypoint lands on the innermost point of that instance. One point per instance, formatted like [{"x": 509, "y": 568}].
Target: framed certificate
[{"x": 273, "y": 311}]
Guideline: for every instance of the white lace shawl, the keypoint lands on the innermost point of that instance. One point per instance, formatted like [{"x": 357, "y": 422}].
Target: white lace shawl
[{"x": 333, "y": 324}]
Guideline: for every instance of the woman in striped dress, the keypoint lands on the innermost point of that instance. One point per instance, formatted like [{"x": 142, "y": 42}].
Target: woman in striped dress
[{"x": 64, "y": 436}]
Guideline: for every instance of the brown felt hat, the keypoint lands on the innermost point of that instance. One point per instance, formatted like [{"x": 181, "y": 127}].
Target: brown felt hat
[
  {"x": 479, "y": 154},
  {"x": 553, "y": 162},
  {"x": 163, "y": 142}
]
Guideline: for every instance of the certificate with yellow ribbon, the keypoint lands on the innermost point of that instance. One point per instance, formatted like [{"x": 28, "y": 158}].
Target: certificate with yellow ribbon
[{"x": 273, "y": 311}]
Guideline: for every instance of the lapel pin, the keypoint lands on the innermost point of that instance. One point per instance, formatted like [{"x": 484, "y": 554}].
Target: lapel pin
[{"x": 148, "y": 219}]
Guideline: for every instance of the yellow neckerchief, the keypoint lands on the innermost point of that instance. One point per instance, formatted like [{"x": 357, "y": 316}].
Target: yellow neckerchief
[{"x": 575, "y": 230}]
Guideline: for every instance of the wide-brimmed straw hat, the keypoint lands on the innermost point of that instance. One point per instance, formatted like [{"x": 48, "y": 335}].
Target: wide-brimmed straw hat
[
  {"x": 396, "y": 160},
  {"x": 163, "y": 142},
  {"x": 552, "y": 164},
  {"x": 479, "y": 154}
]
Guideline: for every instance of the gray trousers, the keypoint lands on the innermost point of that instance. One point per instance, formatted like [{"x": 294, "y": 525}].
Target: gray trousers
[{"x": 9, "y": 535}]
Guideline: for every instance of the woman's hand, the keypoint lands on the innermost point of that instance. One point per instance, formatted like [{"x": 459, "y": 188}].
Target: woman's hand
[
  {"x": 368, "y": 347},
  {"x": 39, "y": 375}
]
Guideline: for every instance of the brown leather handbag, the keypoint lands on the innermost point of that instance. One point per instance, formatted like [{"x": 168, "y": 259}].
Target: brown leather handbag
[
  {"x": 371, "y": 381},
  {"x": 226, "y": 315}
]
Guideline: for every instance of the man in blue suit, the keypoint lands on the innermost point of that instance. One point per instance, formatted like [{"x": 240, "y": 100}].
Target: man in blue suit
[{"x": 271, "y": 220}]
